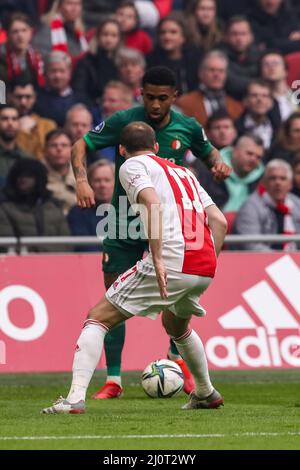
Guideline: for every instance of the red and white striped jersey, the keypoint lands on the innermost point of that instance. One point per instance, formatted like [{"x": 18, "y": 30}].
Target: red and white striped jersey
[{"x": 187, "y": 241}]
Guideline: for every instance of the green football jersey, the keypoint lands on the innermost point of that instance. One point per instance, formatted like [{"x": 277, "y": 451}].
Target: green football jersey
[{"x": 182, "y": 133}]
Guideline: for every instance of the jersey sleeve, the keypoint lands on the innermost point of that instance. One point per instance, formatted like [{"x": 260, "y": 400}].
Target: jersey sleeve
[
  {"x": 106, "y": 134},
  {"x": 200, "y": 145},
  {"x": 134, "y": 177},
  {"x": 204, "y": 197}
]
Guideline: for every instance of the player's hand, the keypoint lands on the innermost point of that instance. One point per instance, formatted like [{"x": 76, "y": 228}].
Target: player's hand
[
  {"x": 85, "y": 195},
  {"x": 220, "y": 171},
  {"x": 161, "y": 276}
]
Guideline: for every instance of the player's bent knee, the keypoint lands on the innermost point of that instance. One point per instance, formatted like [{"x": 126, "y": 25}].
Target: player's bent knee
[
  {"x": 106, "y": 313},
  {"x": 173, "y": 325}
]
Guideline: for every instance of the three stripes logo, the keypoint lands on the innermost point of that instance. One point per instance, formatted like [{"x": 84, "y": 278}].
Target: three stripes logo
[{"x": 272, "y": 313}]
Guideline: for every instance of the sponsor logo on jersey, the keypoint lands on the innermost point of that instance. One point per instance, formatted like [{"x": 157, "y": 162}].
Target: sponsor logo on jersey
[
  {"x": 133, "y": 180},
  {"x": 270, "y": 313},
  {"x": 99, "y": 128},
  {"x": 176, "y": 144}
]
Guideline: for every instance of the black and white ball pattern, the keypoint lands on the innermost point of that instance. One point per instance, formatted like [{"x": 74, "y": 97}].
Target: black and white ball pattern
[{"x": 162, "y": 379}]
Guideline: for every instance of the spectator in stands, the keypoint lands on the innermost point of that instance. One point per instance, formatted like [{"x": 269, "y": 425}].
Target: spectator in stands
[
  {"x": 9, "y": 150},
  {"x": 79, "y": 121},
  {"x": 243, "y": 55},
  {"x": 203, "y": 24},
  {"x": 54, "y": 101},
  {"x": 61, "y": 180},
  {"x": 152, "y": 11},
  {"x": 221, "y": 130},
  {"x": 101, "y": 177},
  {"x": 229, "y": 8},
  {"x": 131, "y": 67},
  {"x": 174, "y": 51},
  {"x": 128, "y": 19},
  {"x": 272, "y": 209},
  {"x": 27, "y": 208},
  {"x": 287, "y": 145},
  {"x": 32, "y": 8},
  {"x": 296, "y": 7},
  {"x": 95, "y": 11},
  {"x": 275, "y": 25},
  {"x": 149, "y": 11},
  {"x": 95, "y": 70},
  {"x": 63, "y": 30},
  {"x": 3, "y": 35},
  {"x": 116, "y": 97},
  {"x": 296, "y": 176},
  {"x": 33, "y": 128},
  {"x": 210, "y": 96},
  {"x": 274, "y": 71},
  {"x": 257, "y": 118},
  {"x": 18, "y": 56},
  {"x": 245, "y": 159}
]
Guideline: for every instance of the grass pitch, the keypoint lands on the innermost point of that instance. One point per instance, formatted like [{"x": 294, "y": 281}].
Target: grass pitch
[{"x": 262, "y": 411}]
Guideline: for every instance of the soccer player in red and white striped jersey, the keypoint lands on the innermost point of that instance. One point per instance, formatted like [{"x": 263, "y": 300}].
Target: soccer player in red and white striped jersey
[{"x": 180, "y": 266}]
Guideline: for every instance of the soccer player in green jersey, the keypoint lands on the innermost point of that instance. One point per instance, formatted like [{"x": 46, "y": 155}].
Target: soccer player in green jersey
[{"x": 175, "y": 134}]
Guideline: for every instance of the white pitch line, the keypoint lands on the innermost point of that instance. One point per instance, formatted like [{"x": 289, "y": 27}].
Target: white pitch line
[{"x": 148, "y": 436}]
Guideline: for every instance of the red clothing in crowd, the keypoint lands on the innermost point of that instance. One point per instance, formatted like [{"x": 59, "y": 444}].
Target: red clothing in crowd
[{"x": 139, "y": 40}]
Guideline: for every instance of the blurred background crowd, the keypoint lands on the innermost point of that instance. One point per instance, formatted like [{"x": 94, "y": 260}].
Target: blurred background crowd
[{"x": 69, "y": 64}]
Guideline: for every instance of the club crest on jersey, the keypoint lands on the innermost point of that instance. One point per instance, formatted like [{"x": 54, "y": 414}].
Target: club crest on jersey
[
  {"x": 176, "y": 144},
  {"x": 99, "y": 128}
]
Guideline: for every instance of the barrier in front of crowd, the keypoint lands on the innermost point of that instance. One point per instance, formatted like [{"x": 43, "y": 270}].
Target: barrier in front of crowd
[
  {"x": 22, "y": 244},
  {"x": 253, "y": 311}
]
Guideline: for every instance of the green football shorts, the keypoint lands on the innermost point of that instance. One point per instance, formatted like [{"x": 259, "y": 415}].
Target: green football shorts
[{"x": 119, "y": 256}]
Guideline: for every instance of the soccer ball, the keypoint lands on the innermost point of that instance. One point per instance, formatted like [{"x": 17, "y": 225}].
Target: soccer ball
[{"x": 162, "y": 379}]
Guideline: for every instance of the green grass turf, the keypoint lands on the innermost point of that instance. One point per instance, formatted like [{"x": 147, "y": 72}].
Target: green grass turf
[{"x": 255, "y": 402}]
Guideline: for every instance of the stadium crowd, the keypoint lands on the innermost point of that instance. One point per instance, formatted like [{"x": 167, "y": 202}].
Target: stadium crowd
[{"x": 69, "y": 64}]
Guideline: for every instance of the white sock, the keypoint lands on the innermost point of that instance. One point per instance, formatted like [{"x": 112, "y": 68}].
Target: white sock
[
  {"x": 87, "y": 354},
  {"x": 192, "y": 351},
  {"x": 114, "y": 378}
]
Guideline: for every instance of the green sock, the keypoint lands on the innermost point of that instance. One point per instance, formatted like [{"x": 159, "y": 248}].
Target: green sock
[
  {"x": 174, "y": 349},
  {"x": 113, "y": 344}
]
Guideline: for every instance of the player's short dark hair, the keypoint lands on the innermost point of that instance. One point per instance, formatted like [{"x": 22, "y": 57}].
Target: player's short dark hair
[
  {"x": 160, "y": 76},
  {"x": 137, "y": 136}
]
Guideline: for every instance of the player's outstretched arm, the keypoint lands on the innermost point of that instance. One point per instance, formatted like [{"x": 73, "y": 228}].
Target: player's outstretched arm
[
  {"x": 85, "y": 194},
  {"x": 219, "y": 169},
  {"x": 218, "y": 226},
  {"x": 149, "y": 199}
]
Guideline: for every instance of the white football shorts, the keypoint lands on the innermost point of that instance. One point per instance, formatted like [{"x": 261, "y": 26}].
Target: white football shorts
[{"x": 136, "y": 293}]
